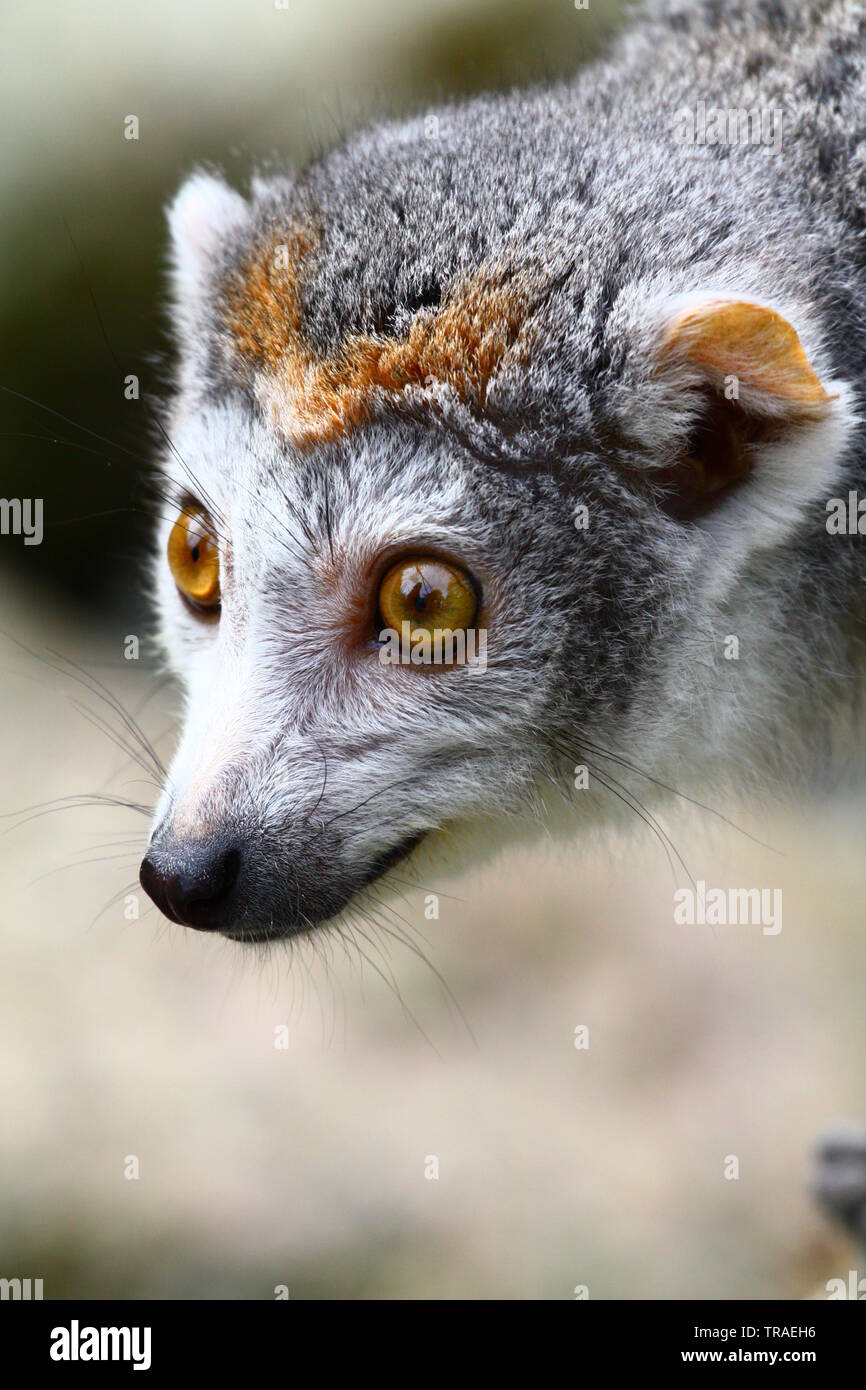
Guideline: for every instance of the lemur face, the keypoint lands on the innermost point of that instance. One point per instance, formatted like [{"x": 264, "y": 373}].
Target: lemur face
[
  {"x": 309, "y": 762},
  {"x": 576, "y": 462},
  {"x": 310, "y": 766}
]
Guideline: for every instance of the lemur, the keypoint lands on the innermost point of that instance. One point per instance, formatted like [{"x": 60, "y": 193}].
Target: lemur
[{"x": 562, "y": 367}]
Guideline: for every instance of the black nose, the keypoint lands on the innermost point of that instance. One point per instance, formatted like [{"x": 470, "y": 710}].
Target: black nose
[{"x": 193, "y": 884}]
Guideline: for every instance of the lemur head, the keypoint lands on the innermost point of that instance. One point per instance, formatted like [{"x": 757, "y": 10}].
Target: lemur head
[{"x": 493, "y": 383}]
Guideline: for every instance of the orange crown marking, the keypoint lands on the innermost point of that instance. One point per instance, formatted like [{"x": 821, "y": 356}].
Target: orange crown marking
[{"x": 312, "y": 398}]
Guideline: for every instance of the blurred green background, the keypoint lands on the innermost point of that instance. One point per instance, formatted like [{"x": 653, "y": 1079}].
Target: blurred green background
[{"x": 121, "y": 1036}]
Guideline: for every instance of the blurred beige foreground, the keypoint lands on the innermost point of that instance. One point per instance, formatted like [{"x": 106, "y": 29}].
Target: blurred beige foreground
[{"x": 306, "y": 1166}]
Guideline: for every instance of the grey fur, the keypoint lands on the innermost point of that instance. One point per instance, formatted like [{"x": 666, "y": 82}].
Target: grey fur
[{"x": 605, "y": 644}]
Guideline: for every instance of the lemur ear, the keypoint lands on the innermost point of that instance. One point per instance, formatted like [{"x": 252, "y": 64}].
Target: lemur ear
[
  {"x": 204, "y": 214},
  {"x": 765, "y": 404},
  {"x": 752, "y": 344}
]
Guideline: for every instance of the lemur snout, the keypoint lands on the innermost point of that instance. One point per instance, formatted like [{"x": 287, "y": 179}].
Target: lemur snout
[{"x": 193, "y": 884}]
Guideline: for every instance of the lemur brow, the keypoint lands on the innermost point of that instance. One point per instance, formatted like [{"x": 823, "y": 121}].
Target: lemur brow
[{"x": 459, "y": 341}]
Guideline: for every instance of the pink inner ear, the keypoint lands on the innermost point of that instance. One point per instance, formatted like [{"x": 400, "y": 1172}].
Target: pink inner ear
[{"x": 752, "y": 343}]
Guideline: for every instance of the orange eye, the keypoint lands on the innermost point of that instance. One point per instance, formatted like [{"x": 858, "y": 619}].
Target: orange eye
[
  {"x": 193, "y": 557},
  {"x": 429, "y": 594}
]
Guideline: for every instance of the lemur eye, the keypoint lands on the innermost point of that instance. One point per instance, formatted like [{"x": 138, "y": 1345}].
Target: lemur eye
[
  {"x": 193, "y": 557},
  {"x": 428, "y": 594}
]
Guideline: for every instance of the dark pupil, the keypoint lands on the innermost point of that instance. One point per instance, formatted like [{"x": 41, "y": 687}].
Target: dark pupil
[
  {"x": 423, "y": 594},
  {"x": 195, "y": 554}
]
